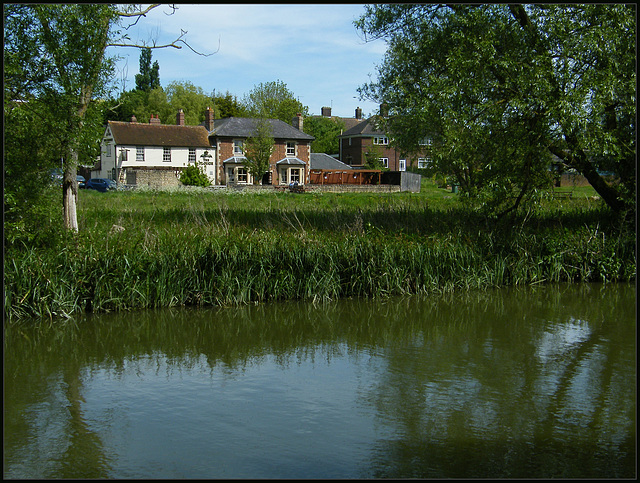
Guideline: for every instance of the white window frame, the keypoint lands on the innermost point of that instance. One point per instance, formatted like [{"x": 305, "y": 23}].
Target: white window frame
[
  {"x": 423, "y": 163},
  {"x": 242, "y": 175},
  {"x": 108, "y": 150},
  {"x": 291, "y": 149},
  {"x": 238, "y": 147},
  {"x": 403, "y": 165},
  {"x": 381, "y": 140},
  {"x": 385, "y": 162},
  {"x": 426, "y": 141},
  {"x": 166, "y": 154},
  {"x": 192, "y": 156},
  {"x": 294, "y": 175},
  {"x": 140, "y": 154}
]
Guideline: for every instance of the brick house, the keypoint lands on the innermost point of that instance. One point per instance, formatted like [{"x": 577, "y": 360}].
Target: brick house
[
  {"x": 289, "y": 160},
  {"x": 366, "y": 137},
  {"x": 151, "y": 154}
]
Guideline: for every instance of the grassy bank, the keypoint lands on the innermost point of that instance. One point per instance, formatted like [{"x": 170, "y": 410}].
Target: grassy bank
[{"x": 204, "y": 248}]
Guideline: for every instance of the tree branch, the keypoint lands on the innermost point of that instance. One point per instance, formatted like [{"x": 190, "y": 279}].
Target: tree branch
[{"x": 180, "y": 40}]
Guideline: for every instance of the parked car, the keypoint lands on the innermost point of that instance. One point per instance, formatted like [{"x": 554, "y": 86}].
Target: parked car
[
  {"x": 81, "y": 182},
  {"x": 99, "y": 184},
  {"x": 112, "y": 184}
]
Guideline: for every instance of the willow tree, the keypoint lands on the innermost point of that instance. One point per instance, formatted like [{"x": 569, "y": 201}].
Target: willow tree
[
  {"x": 68, "y": 42},
  {"x": 502, "y": 88}
]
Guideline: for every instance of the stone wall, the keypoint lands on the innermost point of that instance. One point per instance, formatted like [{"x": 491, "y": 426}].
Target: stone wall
[{"x": 153, "y": 178}]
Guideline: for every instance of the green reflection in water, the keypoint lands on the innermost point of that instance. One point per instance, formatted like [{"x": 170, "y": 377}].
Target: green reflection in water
[{"x": 536, "y": 382}]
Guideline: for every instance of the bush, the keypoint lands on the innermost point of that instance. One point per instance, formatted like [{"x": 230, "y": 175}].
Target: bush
[{"x": 192, "y": 176}]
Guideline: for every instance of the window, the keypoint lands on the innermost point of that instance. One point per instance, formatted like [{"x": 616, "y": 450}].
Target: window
[
  {"x": 403, "y": 165},
  {"x": 166, "y": 155},
  {"x": 238, "y": 147},
  {"x": 242, "y": 175},
  {"x": 291, "y": 149},
  {"x": 295, "y": 175},
  {"x": 139, "y": 153},
  {"x": 424, "y": 163},
  {"x": 385, "y": 162},
  {"x": 108, "y": 150},
  {"x": 192, "y": 155},
  {"x": 426, "y": 141},
  {"x": 382, "y": 140}
]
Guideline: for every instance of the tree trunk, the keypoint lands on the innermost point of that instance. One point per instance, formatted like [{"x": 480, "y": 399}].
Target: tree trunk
[
  {"x": 70, "y": 193},
  {"x": 576, "y": 158}
]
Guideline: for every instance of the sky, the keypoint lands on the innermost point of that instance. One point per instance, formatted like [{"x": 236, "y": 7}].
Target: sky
[{"x": 313, "y": 48}]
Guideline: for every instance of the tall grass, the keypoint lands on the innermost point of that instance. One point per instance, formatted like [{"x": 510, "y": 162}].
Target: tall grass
[{"x": 211, "y": 249}]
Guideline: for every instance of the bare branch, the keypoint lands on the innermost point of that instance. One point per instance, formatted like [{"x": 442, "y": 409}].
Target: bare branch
[{"x": 140, "y": 13}]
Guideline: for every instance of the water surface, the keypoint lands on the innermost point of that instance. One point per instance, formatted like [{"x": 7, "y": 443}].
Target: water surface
[{"x": 536, "y": 382}]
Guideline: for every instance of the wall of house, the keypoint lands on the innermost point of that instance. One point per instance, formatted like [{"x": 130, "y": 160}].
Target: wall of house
[
  {"x": 225, "y": 151},
  {"x": 153, "y": 158},
  {"x": 353, "y": 153}
]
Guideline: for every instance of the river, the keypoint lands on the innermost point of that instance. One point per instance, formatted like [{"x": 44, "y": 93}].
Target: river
[{"x": 533, "y": 382}]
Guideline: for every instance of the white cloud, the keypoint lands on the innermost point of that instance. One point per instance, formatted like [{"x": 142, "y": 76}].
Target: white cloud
[{"x": 315, "y": 49}]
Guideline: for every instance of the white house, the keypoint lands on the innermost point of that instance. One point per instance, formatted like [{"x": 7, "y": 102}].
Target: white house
[{"x": 153, "y": 154}]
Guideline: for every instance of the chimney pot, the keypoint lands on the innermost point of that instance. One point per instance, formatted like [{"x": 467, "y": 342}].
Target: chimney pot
[
  {"x": 180, "y": 117},
  {"x": 154, "y": 119},
  {"x": 326, "y": 112},
  {"x": 358, "y": 113}
]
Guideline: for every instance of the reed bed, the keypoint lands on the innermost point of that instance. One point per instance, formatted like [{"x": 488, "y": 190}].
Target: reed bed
[{"x": 213, "y": 250}]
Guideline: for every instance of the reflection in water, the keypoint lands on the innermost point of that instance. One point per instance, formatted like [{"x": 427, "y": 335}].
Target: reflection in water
[{"x": 512, "y": 383}]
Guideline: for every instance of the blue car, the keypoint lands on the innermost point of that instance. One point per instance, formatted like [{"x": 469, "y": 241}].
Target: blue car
[
  {"x": 99, "y": 184},
  {"x": 81, "y": 182}
]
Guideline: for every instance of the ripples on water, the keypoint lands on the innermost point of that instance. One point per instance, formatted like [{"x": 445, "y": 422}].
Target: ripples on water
[{"x": 510, "y": 383}]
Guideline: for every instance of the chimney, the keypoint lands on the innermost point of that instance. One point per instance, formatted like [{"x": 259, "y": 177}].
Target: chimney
[
  {"x": 180, "y": 118},
  {"x": 326, "y": 112},
  {"x": 208, "y": 119},
  {"x": 384, "y": 109},
  {"x": 154, "y": 120},
  {"x": 133, "y": 119},
  {"x": 358, "y": 113},
  {"x": 297, "y": 121}
]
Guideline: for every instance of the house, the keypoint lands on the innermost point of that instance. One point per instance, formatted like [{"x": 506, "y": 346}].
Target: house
[
  {"x": 152, "y": 154},
  {"x": 348, "y": 122},
  {"x": 289, "y": 161},
  {"x": 367, "y": 137}
]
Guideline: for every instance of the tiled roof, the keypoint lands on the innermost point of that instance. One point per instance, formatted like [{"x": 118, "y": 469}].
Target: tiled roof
[
  {"x": 365, "y": 128},
  {"x": 244, "y": 127},
  {"x": 142, "y": 134},
  {"x": 324, "y": 161}
]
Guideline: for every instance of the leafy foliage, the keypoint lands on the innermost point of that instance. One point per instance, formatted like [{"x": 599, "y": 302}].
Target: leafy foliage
[
  {"x": 193, "y": 176},
  {"x": 149, "y": 76},
  {"x": 326, "y": 132},
  {"x": 273, "y": 100},
  {"x": 258, "y": 150},
  {"x": 503, "y": 87}
]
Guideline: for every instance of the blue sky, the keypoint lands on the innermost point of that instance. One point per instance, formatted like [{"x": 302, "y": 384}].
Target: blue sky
[{"x": 313, "y": 48}]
